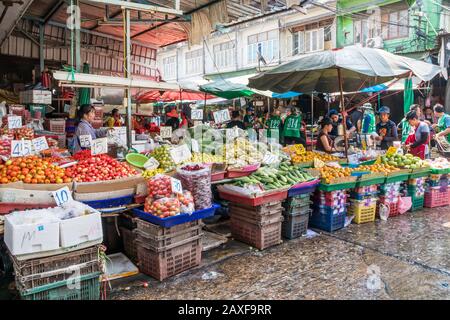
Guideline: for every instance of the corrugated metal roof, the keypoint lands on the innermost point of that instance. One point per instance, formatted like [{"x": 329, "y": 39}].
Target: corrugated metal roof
[{"x": 156, "y": 33}]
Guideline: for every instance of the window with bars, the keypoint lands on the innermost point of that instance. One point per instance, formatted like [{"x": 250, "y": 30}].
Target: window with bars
[
  {"x": 194, "y": 61},
  {"x": 308, "y": 41},
  {"x": 265, "y": 43},
  {"x": 224, "y": 54},
  {"x": 169, "y": 67}
]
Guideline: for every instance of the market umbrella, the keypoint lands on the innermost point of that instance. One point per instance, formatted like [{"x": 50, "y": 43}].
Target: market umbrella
[
  {"x": 171, "y": 95},
  {"x": 226, "y": 89},
  {"x": 358, "y": 67},
  {"x": 84, "y": 93},
  {"x": 349, "y": 69}
]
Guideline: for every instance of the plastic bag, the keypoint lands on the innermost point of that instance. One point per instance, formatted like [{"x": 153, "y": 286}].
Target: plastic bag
[
  {"x": 404, "y": 204},
  {"x": 186, "y": 202},
  {"x": 159, "y": 186},
  {"x": 163, "y": 208},
  {"x": 196, "y": 178}
]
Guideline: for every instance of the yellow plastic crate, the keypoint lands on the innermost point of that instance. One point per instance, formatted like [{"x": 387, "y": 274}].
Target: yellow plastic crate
[{"x": 362, "y": 212}]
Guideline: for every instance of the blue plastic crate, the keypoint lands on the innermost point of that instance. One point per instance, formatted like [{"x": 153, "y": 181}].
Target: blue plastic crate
[
  {"x": 330, "y": 210},
  {"x": 110, "y": 203},
  {"x": 327, "y": 221},
  {"x": 175, "y": 220},
  {"x": 308, "y": 188}
]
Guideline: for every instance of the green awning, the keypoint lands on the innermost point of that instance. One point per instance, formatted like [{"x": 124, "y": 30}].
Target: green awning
[{"x": 227, "y": 90}]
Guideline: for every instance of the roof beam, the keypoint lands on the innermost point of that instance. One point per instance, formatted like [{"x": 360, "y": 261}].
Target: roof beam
[
  {"x": 52, "y": 11},
  {"x": 175, "y": 19},
  {"x": 139, "y": 6}
]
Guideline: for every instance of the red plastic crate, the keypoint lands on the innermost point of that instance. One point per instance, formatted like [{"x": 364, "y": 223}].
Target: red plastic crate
[
  {"x": 435, "y": 197},
  {"x": 98, "y": 113},
  {"x": 393, "y": 206},
  {"x": 55, "y": 125},
  {"x": 260, "y": 237},
  {"x": 271, "y": 197},
  {"x": 97, "y": 123},
  {"x": 217, "y": 176},
  {"x": 17, "y": 110},
  {"x": 6, "y": 208}
]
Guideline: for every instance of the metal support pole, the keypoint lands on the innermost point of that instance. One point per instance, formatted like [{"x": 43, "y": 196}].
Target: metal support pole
[
  {"x": 312, "y": 120},
  {"x": 41, "y": 47},
  {"x": 128, "y": 73},
  {"x": 78, "y": 39},
  {"x": 344, "y": 117}
]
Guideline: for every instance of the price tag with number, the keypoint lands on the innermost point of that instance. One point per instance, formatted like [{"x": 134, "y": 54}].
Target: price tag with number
[
  {"x": 14, "y": 122},
  {"x": 221, "y": 116},
  {"x": 197, "y": 114},
  {"x": 165, "y": 132},
  {"x": 40, "y": 144},
  {"x": 62, "y": 196},
  {"x": 176, "y": 185},
  {"x": 99, "y": 146},
  {"x": 180, "y": 154},
  {"x": 20, "y": 148},
  {"x": 85, "y": 141},
  {"x": 195, "y": 146},
  {"x": 151, "y": 164}
]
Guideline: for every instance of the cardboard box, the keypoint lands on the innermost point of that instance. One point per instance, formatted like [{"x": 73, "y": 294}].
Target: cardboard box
[
  {"x": 23, "y": 196},
  {"x": 47, "y": 187},
  {"x": 106, "y": 186},
  {"x": 102, "y": 195},
  {"x": 30, "y": 238},
  {"x": 80, "y": 229}
]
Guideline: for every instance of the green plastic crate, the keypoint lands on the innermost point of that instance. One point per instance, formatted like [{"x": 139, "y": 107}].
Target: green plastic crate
[
  {"x": 88, "y": 289},
  {"x": 337, "y": 186},
  {"x": 370, "y": 182},
  {"x": 420, "y": 173},
  {"x": 417, "y": 202},
  {"x": 393, "y": 178},
  {"x": 440, "y": 171}
]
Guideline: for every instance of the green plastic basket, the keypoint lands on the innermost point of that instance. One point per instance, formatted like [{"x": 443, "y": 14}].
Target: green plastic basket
[
  {"x": 87, "y": 287},
  {"x": 420, "y": 173},
  {"x": 337, "y": 186},
  {"x": 136, "y": 159},
  {"x": 440, "y": 171},
  {"x": 368, "y": 162},
  {"x": 370, "y": 181},
  {"x": 397, "y": 177}
]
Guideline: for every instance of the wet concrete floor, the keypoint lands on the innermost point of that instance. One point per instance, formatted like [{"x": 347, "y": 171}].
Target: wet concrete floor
[{"x": 406, "y": 257}]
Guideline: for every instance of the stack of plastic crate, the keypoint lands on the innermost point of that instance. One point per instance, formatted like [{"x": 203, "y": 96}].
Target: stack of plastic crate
[
  {"x": 363, "y": 203},
  {"x": 416, "y": 190},
  {"x": 165, "y": 252},
  {"x": 296, "y": 216},
  {"x": 329, "y": 210},
  {"x": 69, "y": 276},
  {"x": 437, "y": 192},
  {"x": 390, "y": 195},
  {"x": 258, "y": 226}
]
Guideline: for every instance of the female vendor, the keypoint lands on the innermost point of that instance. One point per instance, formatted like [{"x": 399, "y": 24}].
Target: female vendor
[
  {"x": 85, "y": 116},
  {"x": 417, "y": 142}
]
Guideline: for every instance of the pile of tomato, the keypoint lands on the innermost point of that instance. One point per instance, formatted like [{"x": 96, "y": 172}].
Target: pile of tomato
[
  {"x": 32, "y": 169},
  {"x": 99, "y": 168}
]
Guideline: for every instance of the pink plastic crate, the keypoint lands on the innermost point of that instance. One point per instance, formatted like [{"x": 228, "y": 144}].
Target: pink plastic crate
[{"x": 435, "y": 197}]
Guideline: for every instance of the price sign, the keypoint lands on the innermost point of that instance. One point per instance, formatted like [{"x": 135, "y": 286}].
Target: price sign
[
  {"x": 62, "y": 196},
  {"x": 14, "y": 122},
  {"x": 195, "y": 146},
  {"x": 85, "y": 141},
  {"x": 221, "y": 116},
  {"x": 197, "y": 114},
  {"x": 391, "y": 151},
  {"x": 151, "y": 164},
  {"x": 176, "y": 185},
  {"x": 20, "y": 148},
  {"x": 180, "y": 154},
  {"x": 120, "y": 133},
  {"x": 40, "y": 144},
  {"x": 165, "y": 132},
  {"x": 99, "y": 146}
]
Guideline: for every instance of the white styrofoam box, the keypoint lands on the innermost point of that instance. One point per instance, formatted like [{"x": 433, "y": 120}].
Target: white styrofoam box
[
  {"x": 81, "y": 229},
  {"x": 31, "y": 237},
  {"x": 9, "y": 195}
]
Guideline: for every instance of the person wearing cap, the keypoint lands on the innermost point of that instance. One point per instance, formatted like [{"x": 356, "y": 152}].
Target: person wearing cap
[
  {"x": 173, "y": 120},
  {"x": 368, "y": 122},
  {"x": 336, "y": 121},
  {"x": 356, "y": 118},
  {"x": 442, "y": 127},
  {"x": 291, "y": 128},
  {"x": 249, "y": 118},
  {"x": 386, "y": 129}
]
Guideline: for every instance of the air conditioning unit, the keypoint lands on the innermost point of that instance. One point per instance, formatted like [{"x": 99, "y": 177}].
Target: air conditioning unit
[{"x": 376, "y": 42}]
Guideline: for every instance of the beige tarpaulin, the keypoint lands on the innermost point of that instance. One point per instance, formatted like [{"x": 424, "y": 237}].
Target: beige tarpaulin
[
  {"x": 218, "y": 13},
  {"x": 247, "y": 2},
  {"x": 290, "y": 3},
  {"x": 264, "y": 5},
  {"x": 200, "y": 26}
]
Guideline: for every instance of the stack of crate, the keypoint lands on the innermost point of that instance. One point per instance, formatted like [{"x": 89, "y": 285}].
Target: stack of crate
[
  {"x": 437, "y": 193},
  {"x": 416, "y": 190},
  {"x": 390, "y": 196},
  {"x": 69, "y": 276},
  {"x": 363, "y": 203},
  {"x": 165, "y": 252},
  {"x": 98, "y": 119},
  {"x": 258, "y": 226},
  {"x": 296, "y": 216},
  {"x": 329, "y": 210}
]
